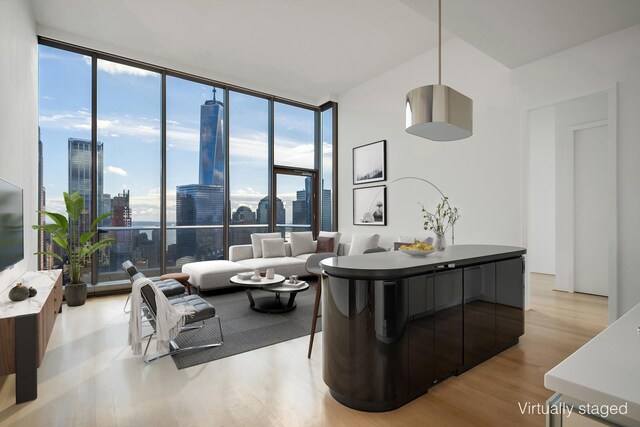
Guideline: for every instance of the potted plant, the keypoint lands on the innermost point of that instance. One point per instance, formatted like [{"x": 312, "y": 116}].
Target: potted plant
[
  {"x": 439, "y": 222},
  {"x": 66, "y": 233}
]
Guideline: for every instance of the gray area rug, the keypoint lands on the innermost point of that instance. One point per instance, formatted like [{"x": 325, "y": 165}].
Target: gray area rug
[{"x": 243, "y": 328}]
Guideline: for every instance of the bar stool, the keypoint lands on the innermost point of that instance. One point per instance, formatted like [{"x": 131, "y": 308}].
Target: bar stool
[{"x": 313, "y": 267}]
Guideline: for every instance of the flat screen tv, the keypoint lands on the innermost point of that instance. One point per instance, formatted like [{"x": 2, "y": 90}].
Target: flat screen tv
[{"x": 11, "y": 228}]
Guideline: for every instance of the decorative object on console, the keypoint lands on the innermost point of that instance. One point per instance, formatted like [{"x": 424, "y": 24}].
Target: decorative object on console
[
  {"x": 362, "y": 242},
  {"x": 32, "y": 292},
  {"x": 439, "y": 222},
  {"x": 437, "y": 112},
  {"x": 75, "y": 243},
  {"x": 370, "y": 206},
  {"x": 370, "y": 162},
  {"x": 19, "y": 292}
]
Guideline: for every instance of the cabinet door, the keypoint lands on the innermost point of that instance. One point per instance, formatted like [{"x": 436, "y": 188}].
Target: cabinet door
[
  {"x": 479, "y": 313},
  {"x": 448, "y": 322},
  {"x": 509, "y": 301},
  {"x": 421, "y": 333}
]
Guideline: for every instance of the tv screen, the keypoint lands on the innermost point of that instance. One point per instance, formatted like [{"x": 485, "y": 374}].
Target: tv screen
[{"x": 11, "y": 228}]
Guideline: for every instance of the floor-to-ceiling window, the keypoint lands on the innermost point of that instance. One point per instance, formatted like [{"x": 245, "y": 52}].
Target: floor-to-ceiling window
[
  {"x": 186, "y": 166},
  {"x": 195, "y": 171},
  {"x": 248, "y": 166},
  {"x": 129, "y": 106},
  {"x": 64, "y": 145},
  {"x": 327, "y": 168}
]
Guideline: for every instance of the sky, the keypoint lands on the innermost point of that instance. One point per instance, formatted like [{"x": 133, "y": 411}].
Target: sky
[{"x": 129, "y": 123}]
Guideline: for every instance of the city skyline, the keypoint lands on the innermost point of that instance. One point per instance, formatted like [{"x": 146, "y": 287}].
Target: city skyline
[{"x": 128, "y": 126}]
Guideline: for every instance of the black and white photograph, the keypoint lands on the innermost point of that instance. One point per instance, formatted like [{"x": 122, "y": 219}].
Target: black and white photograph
[
  {"x": 370, "y": 205},
  {"x": 370, "y": 162}
]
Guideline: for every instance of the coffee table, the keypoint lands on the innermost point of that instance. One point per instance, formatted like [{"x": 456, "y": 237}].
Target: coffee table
[{"x": 277, "y": 285}]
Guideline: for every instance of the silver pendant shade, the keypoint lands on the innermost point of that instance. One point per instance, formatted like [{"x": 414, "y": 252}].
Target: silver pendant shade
[{"x": 438, "y": 112}]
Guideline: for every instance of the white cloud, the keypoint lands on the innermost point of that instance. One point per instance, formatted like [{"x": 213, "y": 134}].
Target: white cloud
[
  {"x": 116, "y": 170},
  {"x": 116, "y": 68}
]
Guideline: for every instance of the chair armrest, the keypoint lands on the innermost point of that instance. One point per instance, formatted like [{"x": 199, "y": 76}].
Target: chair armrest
[
  {"x": 240, "y": 252},
  {"x": 343, "y": 249}
]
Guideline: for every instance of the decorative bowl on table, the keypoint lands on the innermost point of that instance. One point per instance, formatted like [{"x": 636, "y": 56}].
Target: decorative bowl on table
[
  {"x": 417, "y": 252},
  {"x": 417, "y": 249}
]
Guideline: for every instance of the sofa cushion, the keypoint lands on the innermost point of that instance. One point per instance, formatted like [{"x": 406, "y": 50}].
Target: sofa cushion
[
  {"x": 325, "y": 244},
  {"x": 256, "y": 242},
  {"x": 362, "y": 242},
  {"x": 273, "y": 248},
  {"x": 336, "y": 239},
  {"x": 301, "y": 243}
]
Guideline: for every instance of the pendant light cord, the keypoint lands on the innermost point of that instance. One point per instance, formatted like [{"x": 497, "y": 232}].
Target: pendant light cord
[{"x": 439, "y": 42}]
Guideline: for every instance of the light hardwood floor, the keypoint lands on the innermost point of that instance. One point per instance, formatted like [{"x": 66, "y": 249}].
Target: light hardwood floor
[{"x": 89, "y": 377}]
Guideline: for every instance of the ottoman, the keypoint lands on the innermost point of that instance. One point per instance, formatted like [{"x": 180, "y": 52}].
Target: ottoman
[{"x": 206, "y": 275}]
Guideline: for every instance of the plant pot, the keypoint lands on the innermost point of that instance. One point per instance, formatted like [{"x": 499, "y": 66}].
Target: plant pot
[
  {"x": 75, "y": 294},
  {"x": 441, "y": 242}
]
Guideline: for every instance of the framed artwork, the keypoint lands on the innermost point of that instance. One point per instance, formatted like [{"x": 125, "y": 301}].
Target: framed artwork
[
  {"x": 370, "y": 162},
  {"x": 370, "y": 205}
]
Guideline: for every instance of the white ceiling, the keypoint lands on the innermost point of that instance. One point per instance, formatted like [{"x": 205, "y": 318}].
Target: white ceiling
[
  {"x": 314, "y": 49},
  {"x": 516, "y": 32}
]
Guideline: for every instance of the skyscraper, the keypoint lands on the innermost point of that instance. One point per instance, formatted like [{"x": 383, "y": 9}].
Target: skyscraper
[
  {"x": 212, "y": 149},
  {"x": 80, "y": 175},
  {"x": 327, "y": 211},
  {"x": 203, "y": 203},
  {"x": 303, "y": 204},
  {"x": 263, "y": 211}
]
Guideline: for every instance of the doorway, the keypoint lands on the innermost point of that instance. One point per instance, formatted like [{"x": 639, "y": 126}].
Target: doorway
[
  {"x": 570, "y": 194},
  {"x": 296, "y": 201}
]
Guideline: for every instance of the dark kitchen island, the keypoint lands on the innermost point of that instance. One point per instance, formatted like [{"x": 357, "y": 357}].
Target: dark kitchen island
[{"x": 395, "y": 325}]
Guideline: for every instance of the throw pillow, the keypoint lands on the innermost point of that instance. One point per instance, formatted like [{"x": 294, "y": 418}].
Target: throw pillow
[
  {"x": 301, "y": 243},
  {"x": 273, "y": 248},
  {"x": 325, "y": 244},
  {"x": 256, "y": 242},
  {"x": 362, "y": 242},
  {"x": 336, "y": 238}
]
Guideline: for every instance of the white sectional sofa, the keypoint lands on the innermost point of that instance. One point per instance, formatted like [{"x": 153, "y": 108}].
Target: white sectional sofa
[{"x": 207, "y": 275}]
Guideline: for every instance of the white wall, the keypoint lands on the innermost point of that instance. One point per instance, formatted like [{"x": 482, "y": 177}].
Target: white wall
[
  {"x": 481, "y": 175},
  {"x": 484, "y": 175},
  {"x": 541, "y": 248},
  {"x": 19, "y": 117},
  {"x": 586, "y": 68}
]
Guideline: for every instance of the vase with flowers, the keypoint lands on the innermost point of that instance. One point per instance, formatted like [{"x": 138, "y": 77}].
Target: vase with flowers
[{"x": 439, "y": 221}]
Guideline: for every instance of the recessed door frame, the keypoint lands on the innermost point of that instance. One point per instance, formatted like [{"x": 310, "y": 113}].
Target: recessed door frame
[
  {"x": 610, "y": 199},
  {"x": 286, "y": 170}
]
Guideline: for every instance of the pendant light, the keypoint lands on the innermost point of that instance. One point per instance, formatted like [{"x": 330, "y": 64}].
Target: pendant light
[{"x": 438, "y": 112}]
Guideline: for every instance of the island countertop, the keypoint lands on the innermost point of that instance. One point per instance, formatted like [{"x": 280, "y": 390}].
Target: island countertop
[
  {"x": 605, "y": 371},
  {"x": 394, "y": 265}
]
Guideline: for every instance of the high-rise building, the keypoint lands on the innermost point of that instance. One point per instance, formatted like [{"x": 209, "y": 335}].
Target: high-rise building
[
  {"x": 263, "y": 211},
  {"x": 121, "y": 210},
  {"x": 212, "y": 148},
  {"x": 326, "y": 218},
  {"x": 80, "y": 175},
  {"x": 243, "y": 215},
  {"x": 196, "y": 205},
  {"x": 303, "y": 204}
]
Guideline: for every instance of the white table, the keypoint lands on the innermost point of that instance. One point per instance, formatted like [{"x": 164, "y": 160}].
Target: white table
[
  {"x": 277, "y": 285},
  {"x": 605, "y": 371}
]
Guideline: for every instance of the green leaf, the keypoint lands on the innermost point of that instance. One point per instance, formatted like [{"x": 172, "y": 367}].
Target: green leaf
[
  {"x": 100, "y": 218},
  {"x": 63, "y": 243},
  {"x": 88, "y": 250},
  {"x": 74, "y": 204},
  {"x": 85, "y": 237},
  {"x": 60, "y": 220},
  {"x": 56, "y": 256}
]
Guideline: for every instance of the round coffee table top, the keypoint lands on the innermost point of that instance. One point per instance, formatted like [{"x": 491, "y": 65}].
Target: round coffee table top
[
  {"x": 277, "y": 278},
  {"x": 180, "y": 277}
]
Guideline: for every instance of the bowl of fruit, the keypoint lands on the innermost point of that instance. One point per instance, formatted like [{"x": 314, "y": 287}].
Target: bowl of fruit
[{"x": 417, "y": 249}]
